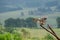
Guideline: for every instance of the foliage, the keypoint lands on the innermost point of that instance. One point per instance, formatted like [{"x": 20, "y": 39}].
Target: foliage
[
  {"x": 17, "y": 37},
  {"x": 9, "y": 36},
  {"x": 35, "y": 38},
  {"x": 58, "y": 22},
  {"x": 25, "y": 33},
  {"x": 2, "y": 29},
  {"x": 0, "y": 23},
  {"x": 48, "y": 37},
  {"x": 28, "y": 22},
  {"x": 9, "y": 29}
]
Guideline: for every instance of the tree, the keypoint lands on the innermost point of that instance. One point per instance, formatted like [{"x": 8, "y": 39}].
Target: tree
[
  {"x": 22, "y": 14},
  {"x": 58, "y": 22},
  {"x": 18, "y": 22},
  {"x": 30, "y": 22},
  {"x": 31, "y": 13},
  {"x": 10, "y": 22},
  {"x": 0, "y": 23}
]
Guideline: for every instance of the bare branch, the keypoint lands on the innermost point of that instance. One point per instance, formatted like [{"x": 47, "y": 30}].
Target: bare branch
[{"x": 53, "y": 33}]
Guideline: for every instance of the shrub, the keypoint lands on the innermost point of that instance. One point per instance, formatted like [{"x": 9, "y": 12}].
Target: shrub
[
  {"x": 2, "y": 37},
  {"x": 17, "y": 37},
  {"x": 9, "y": 36},
  {"x": 48, "y": 37},
  {"x": 9, "y": 29},
  {"x": 35, "y": 38},
  {"x": 2, "y": 29},
  {"x": 25, "y": 33}
]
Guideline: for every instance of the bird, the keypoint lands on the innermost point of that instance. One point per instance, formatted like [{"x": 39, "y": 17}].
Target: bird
[{"x": 42, "y": 21}]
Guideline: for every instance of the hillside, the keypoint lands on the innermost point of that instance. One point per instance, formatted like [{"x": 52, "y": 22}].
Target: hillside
[
  {"x": 29, "y": 8},
  {"x": 18, "y": 14},
  {"x": 13, "y": 5}
]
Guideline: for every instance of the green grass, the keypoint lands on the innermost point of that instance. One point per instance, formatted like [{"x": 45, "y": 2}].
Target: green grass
[
  {"x": 39, "y": 33},
  {"x": 9, "y": 36},
  {"x": 35, "y": 34}
]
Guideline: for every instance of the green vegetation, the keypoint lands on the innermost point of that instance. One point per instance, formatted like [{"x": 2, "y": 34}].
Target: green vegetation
[
  {"x": 12, "y": 32},
  {"x": 49, "y": 37},
  {"x": 28, "y": 22},
  {"x": 38, "y": 34},
  {"x": 27, "y": 34},
  {"x": 58, "y": 22},
  {"x": 9, "y": 36}
]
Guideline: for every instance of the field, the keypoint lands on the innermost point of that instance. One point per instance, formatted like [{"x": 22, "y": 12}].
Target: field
[
  {"x": 39, "y": 33},
  {"x": 30, "y": 33}
]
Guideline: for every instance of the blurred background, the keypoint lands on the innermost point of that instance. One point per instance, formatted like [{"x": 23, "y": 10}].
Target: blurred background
[{"x": 16, "y": 18}]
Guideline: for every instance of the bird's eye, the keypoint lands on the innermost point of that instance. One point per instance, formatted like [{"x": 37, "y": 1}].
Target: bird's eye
[
  {"x": 33, "y": 19},
  {"x": 45, "y": 18}
]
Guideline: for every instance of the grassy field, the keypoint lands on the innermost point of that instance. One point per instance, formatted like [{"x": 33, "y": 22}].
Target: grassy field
[{"x": 39, "y": 33}]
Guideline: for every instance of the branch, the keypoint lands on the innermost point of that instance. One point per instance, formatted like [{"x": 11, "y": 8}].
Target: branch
[
  {"x": 51, "y": 29},
  {"x": 53, "y": 33}
]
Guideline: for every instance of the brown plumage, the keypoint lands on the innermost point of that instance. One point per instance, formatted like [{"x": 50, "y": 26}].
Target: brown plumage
[{"x": 42, "y": 21}]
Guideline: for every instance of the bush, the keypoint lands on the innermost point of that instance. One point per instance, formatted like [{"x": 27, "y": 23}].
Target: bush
[
  {"x": 48, "y": 37},
  {"x": 9, "y": 29},
  {"x": 2, "y": 37},
  {"x": 35, "y": 38},
  {"x": 2, "y": 29},
  {"x": 25, "y": 33},
  {"x": 17, "y": 37},
  {"x": 9, "y": 36}
]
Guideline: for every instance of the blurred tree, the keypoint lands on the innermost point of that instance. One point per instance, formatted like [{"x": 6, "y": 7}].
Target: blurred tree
[
  {"x": 31, "y": 13},
  {"x": 22, "y": 14},
  {"x": 10, "y": 22},
  {"x": 58, "y": 22},
  {"x": 18, "y": 22},
  {"x": 28, "y": 22},
  {"x": 0, "y": 24}
]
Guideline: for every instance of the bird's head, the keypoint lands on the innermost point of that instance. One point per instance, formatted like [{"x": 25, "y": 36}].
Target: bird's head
[{"x": 40, "y": 20}]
